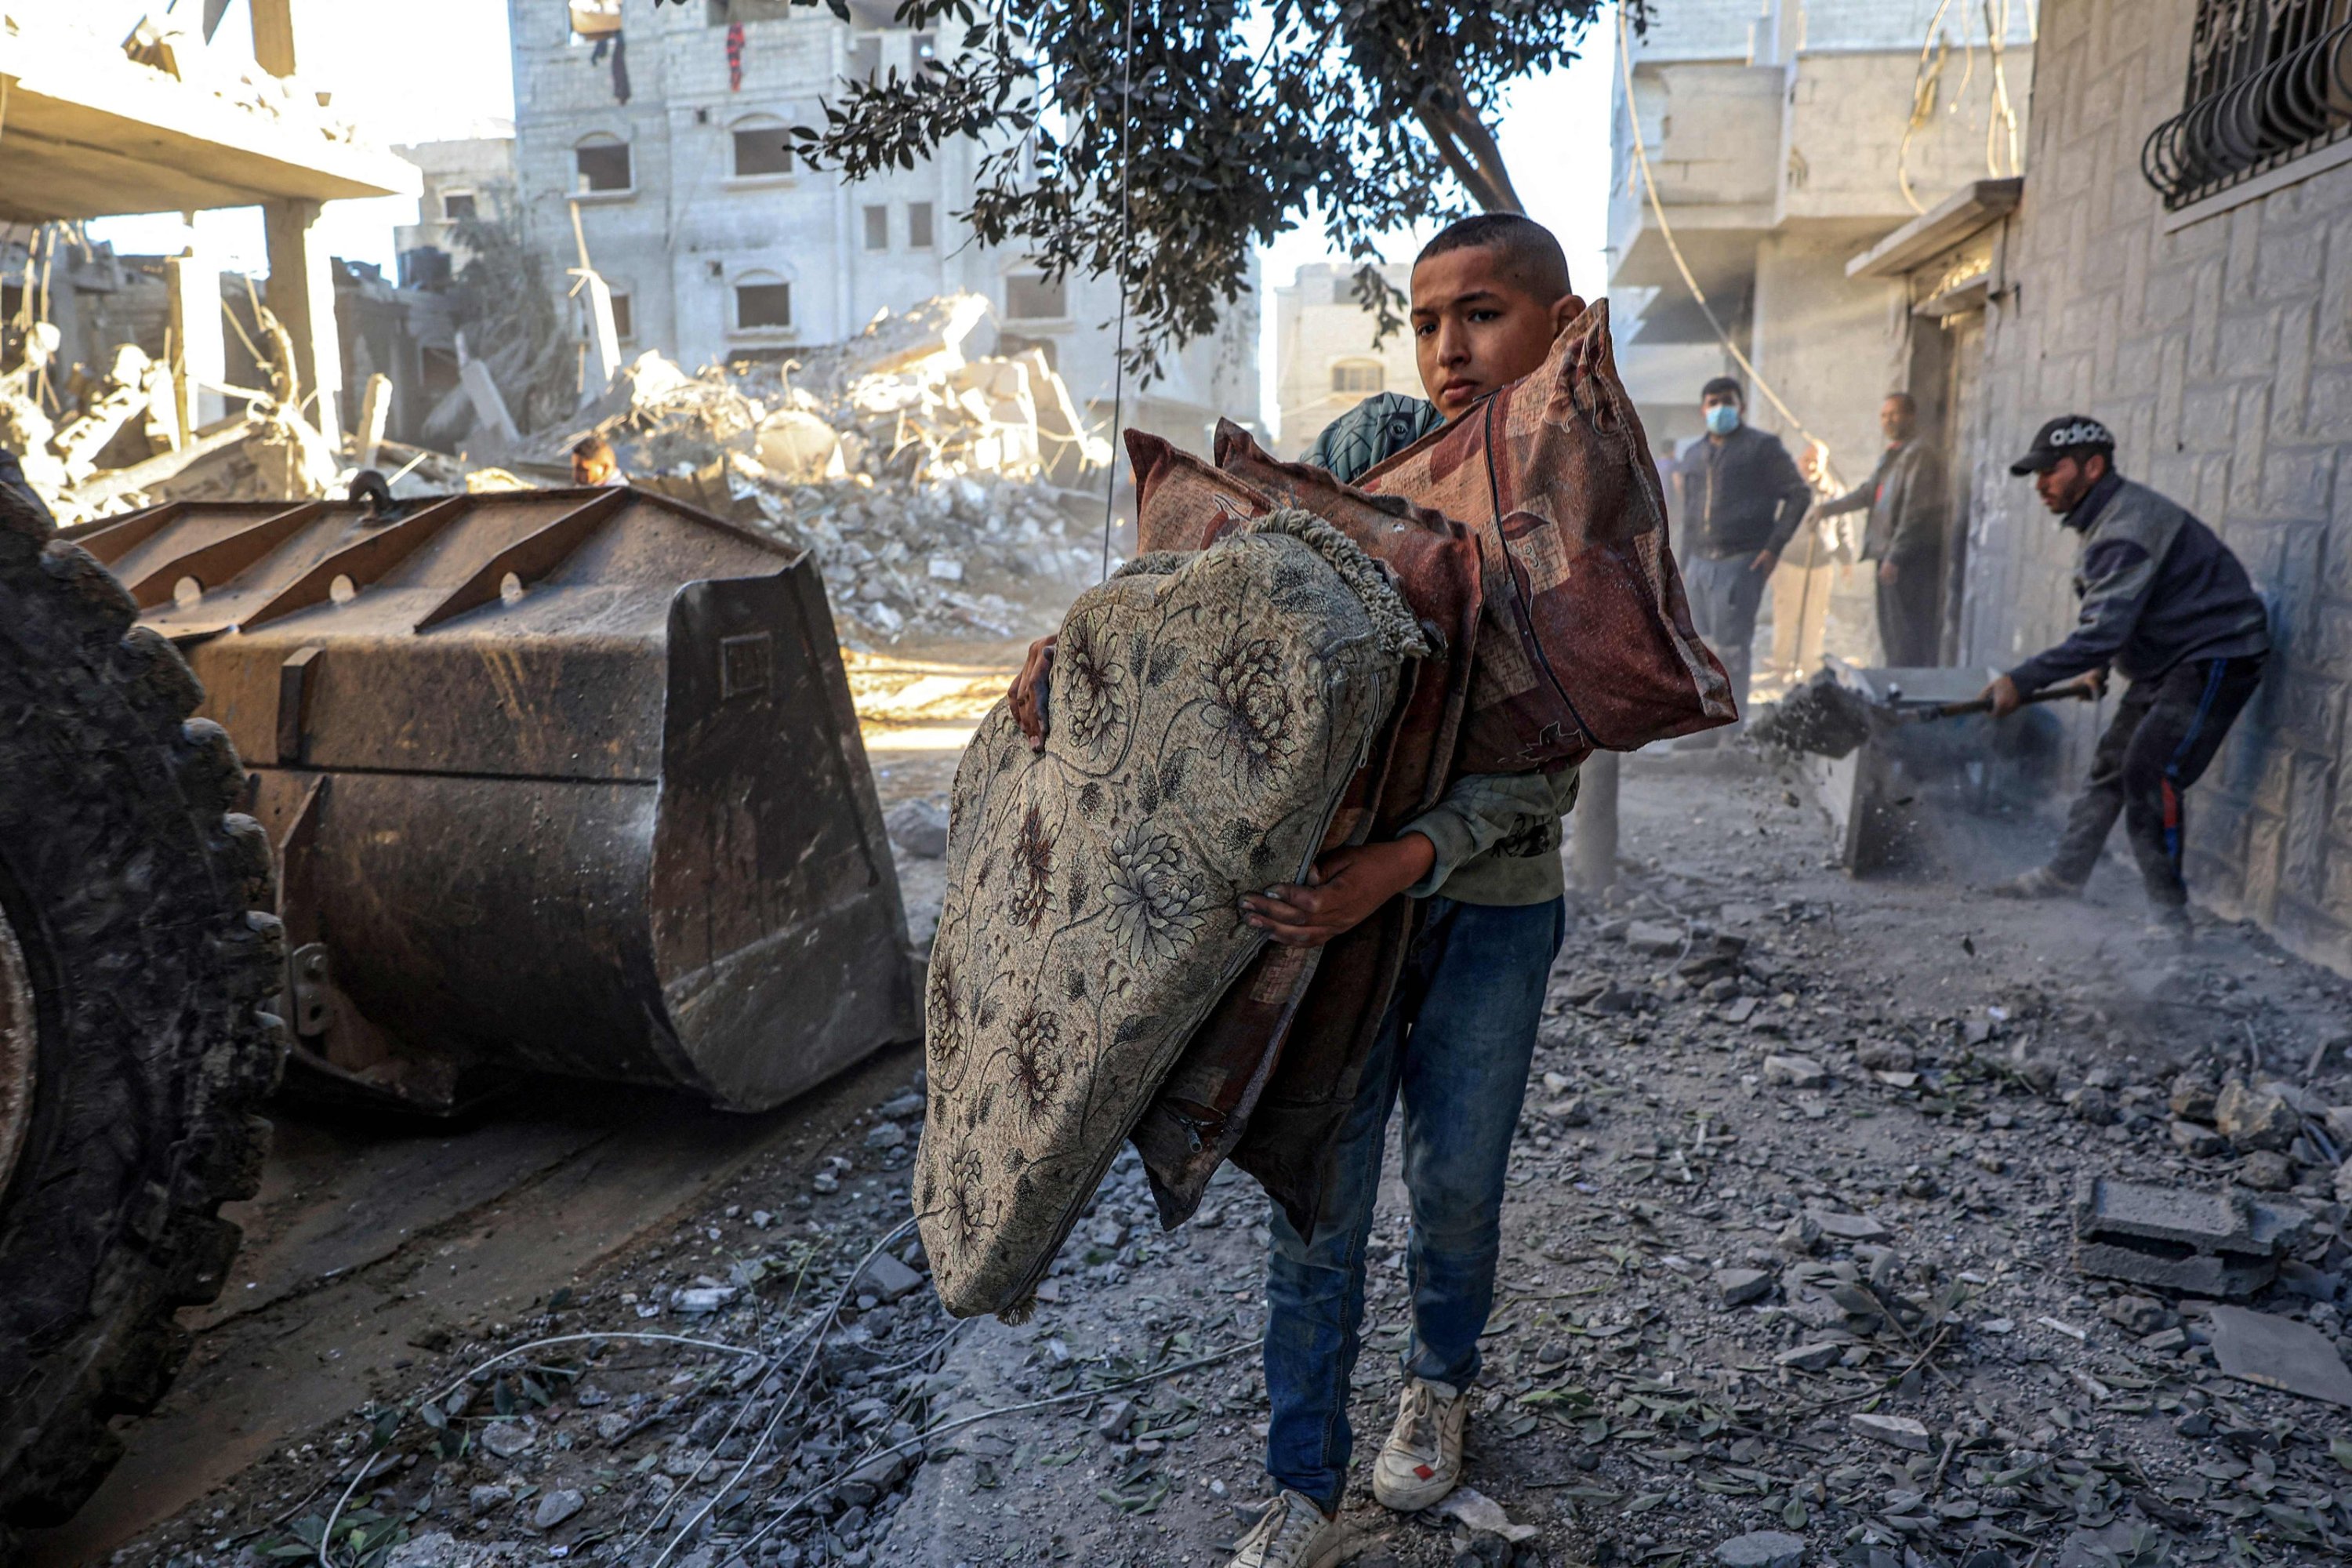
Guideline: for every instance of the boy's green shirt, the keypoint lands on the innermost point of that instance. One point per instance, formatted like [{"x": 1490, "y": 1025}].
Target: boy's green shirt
[{"x": 1498, "y": 835}]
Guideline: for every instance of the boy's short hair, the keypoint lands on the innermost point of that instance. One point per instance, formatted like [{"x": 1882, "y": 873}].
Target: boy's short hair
[
  {"x": 594, "y": 449},
  {"x": 1723, "y": 383},
  {"x": 1531, "y": 255}
]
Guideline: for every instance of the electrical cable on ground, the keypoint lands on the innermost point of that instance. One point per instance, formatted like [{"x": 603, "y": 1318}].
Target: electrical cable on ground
[{"x": 1125, "y": 250}]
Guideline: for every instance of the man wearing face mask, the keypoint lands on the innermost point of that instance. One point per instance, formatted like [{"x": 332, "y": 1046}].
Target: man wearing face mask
[{"x": 1742, "y": 499}]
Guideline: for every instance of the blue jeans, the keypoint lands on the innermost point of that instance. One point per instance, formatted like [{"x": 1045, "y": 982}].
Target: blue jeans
[{"x": 1456, "y": 1042}]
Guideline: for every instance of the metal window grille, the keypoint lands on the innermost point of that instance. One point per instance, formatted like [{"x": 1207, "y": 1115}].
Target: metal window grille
[{"x": 2269, "y": 81}]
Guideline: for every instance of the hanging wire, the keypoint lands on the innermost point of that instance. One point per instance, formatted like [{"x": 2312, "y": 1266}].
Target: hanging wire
[
  {"x": 1126, "y": 249},
  {"x": 1666, "y": 233}
]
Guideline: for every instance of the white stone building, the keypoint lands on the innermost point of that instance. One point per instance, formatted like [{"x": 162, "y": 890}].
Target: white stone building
[
  {"x": 1325, "y": 357},
  {"x": 719, "y": 246},
  {"x": 464, "y": 178}
]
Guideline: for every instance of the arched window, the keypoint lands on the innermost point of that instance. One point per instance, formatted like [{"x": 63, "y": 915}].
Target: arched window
[
  {"x": 1358, "y": 377},
  {"x": 602, "y": 163},
  {"x": 763, "y": 302}
]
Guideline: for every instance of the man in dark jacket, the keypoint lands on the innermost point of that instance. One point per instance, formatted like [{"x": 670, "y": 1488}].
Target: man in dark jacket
[
  {"x": 1904, "y": 496},
  {"x": 2166, "y": 603},
  {"x": 1741, "y": 501}
]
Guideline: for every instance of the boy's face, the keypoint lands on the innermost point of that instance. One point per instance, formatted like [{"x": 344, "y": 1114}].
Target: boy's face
[{"x": 1476, "y": 327}]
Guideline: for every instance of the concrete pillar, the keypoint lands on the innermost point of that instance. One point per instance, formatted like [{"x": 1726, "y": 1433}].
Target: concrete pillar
[
  {"x": 376, "y": 408},
  {"x": 199, "y": 352},
  {"x": 273, "y": 36},
  {"x": 302, "y": 295}
]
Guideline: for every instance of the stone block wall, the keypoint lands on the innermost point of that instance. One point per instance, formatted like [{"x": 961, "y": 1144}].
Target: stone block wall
[{"x": 2221, "y": 355}]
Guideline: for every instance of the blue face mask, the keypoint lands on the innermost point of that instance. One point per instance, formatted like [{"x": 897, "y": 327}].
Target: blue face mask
[{"x": 1723, "y": 418}]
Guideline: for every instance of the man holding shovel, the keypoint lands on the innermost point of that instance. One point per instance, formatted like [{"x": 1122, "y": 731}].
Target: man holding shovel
[{"x": 2171, "y": 609}]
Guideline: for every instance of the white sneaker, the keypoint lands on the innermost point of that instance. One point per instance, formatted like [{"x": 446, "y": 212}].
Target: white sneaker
[
  {"x": 1422, "y": 1460},
  {"x": 1292, "y": 1533}
]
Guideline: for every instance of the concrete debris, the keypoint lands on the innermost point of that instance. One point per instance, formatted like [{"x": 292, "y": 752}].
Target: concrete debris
[
  {"x": 2253, "y": 1118},
  {"x": 1848, "y": 1226},
  {"x": 1740, "y": 1286},
  {"x": 1482, "y": 1515},
  {"x": 1795, "y": 1072},
  {"x": 2207, "y": 1244},
  {"x": 1762, "y": 1549},
  {"x": 2281, "y": 1354},
  {"x": 1900, "y": 1431},
  {"x": 887, "y": 1278},
  {"x": 556, "y": 1507},
  {"x": 920, "y": 828}
]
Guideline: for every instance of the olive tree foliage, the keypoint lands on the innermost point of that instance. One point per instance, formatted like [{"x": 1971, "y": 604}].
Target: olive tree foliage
[{"x": 1161, "y": 144}]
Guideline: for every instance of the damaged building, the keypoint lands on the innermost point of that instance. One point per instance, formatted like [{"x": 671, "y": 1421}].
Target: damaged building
[{"x": 663, "y": 129}]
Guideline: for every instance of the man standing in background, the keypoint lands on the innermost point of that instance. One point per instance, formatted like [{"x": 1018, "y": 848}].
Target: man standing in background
[
  {"x": 1741, "y": 500},
  {"x": 1906, "y": 500}
]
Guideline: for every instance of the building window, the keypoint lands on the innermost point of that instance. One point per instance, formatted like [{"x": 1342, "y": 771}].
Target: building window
[
  {"x": 603, "y": 165},
  {"x": 865, "y": 58},
  {"x": 458, "y": 206},
  {"x": 761, "y": 150},
  {"x": 878, "y": 228},
  {"x": 762, "y": 304},
  {"x": 2256, "y": 98},
  {"x": 919, "y": 226},
  {"x": 1033, "y": 297},
  {"x": 1358, "y": 377},
  {"x": 927, "y": 49},
  {"x": 624, "y": 320}
]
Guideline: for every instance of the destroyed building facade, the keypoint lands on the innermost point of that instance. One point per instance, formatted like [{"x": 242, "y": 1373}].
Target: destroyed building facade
[
  {"x": 464, "y": 179},
  {"x": 1327, "y": 353},
  {"x": 665, "y": 128}
]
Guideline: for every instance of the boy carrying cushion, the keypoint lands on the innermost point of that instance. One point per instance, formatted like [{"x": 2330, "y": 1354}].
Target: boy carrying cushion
[{"x": 1489, "y": 296}]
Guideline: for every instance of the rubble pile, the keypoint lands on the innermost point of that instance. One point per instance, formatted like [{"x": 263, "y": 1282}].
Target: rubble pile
[{"x": 931, "y": 487}]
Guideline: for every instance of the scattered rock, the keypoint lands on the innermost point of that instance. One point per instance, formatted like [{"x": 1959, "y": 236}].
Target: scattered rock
[
  {"x": 2192, "y": 1097},
  {"x": 1900, "y": 1431},
  {"x": 2266, "y": 1171},
  {"x": 1848, "y": 1226},
  {"x": 1877, "y": 1056},
  {"x": 701, "y": 1301},
  {"x": 888, "y": 1279},
  {"x": 493, "y": 1494},
  {"x": 2253, "y": 1119},
  {"x": 2090, "y": 1104},
  {"x": 1795, "y": 1072},
  {"x": 1114, "y": 1418},
  {"x": 2140, "y": 1315},
  {"x": 920, "y": 828},
  {"x": 1740, "y": 1286},
  {"x": 556, "y": 1507},
  {"x": 1653, "y": 940},
  {"x": 1482, "y": 1515},
  {"x": 508, "y": 1438},
  {"x": 2198, "y": 1142},
  {"x": 885, "y": 1135},
  {"x": 1762, "y": 1549},
  {"x": 1811, "y": 1357},
  {"x": 1800, "y": 1237}
]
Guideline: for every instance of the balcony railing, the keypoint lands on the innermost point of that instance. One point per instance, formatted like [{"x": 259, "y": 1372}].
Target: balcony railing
[{"x": 2269, "y": 82}]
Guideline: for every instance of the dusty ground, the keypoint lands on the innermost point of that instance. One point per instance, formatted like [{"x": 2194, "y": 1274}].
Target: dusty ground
[{"x": 1978, "y": 1057}]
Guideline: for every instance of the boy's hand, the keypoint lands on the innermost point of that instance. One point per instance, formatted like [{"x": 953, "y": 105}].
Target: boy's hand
[
  {"x": 1022, "y": 694},
  {"x": 1765, "y": 561},
  {"x": 1346, "y": 889}
]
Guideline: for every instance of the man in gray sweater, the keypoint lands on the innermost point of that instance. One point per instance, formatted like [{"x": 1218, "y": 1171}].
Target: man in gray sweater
[
  {"x": 2169, "y": 607},
  {"x": 1905, "y": 499}
]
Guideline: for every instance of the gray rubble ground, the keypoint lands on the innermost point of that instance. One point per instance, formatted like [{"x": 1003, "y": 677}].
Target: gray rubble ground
[{"x": 1836, "y": 1303}]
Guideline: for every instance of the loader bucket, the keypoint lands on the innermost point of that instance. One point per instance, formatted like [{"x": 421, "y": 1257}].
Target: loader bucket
[{"x": 565, "y": 781}]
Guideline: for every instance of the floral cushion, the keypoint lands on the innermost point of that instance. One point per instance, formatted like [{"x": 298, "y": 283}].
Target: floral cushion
[{"x": 1206, "y": 712}]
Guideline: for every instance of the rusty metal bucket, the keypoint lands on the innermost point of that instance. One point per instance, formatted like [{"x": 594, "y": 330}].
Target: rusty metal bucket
[{"x": 565, "y": 781}]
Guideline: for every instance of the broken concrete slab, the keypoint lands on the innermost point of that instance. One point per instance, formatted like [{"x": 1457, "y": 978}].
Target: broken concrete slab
[
  {"x": 888, "y": 1279},
  {"x": 1848, "y": 1226},
  {"x": 2279, "y": 1352},
  {"x": 1654, "y": 938},
  {"x": 2206, "y": 1243},
  {"x": 1900, "y": 1431},
  {"x": 1795, "y": 1072},
  {"x": 1740, "y": 1286},
  {"x": 1814, "y": 1357}
]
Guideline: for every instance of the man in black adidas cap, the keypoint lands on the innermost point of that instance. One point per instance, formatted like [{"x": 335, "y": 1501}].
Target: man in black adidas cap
[{"x": 2169, "y": 607}]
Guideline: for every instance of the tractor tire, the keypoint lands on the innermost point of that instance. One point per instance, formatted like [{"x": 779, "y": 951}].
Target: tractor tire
[{"x": 137, "y": 956}]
